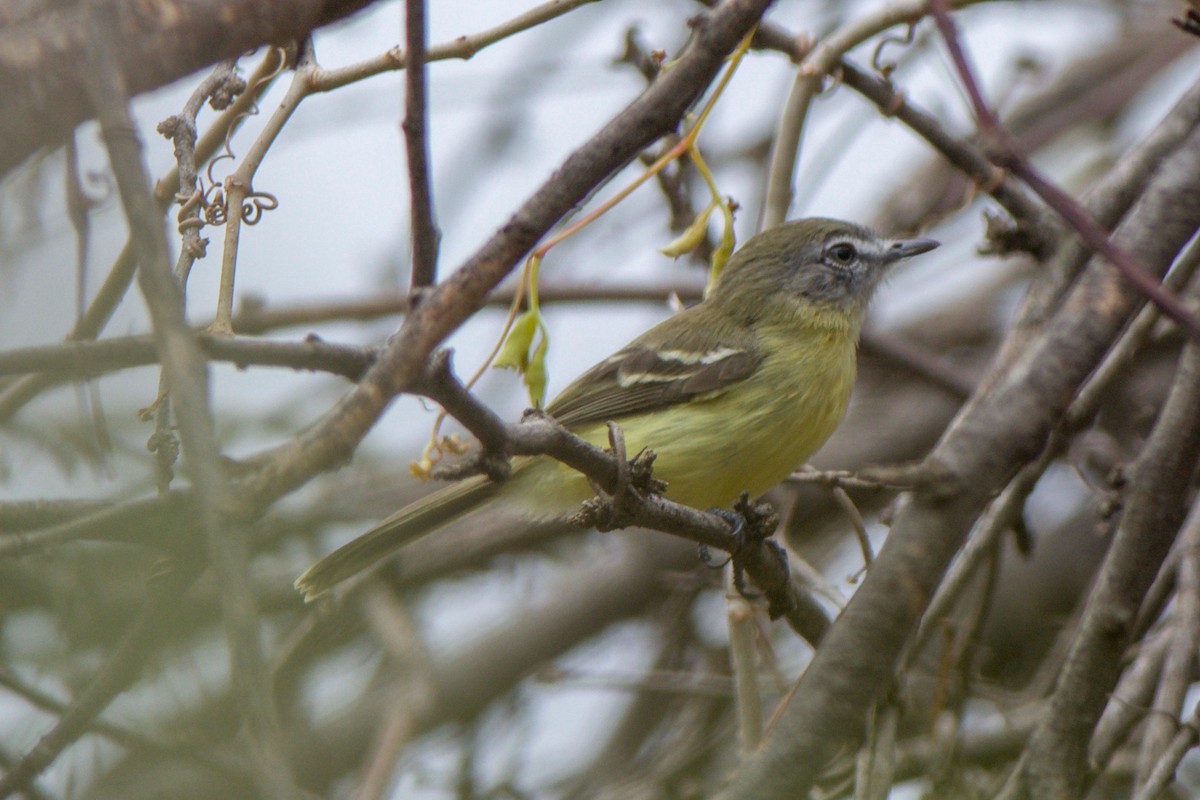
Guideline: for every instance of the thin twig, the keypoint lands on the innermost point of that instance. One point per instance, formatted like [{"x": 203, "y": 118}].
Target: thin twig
[
  {"x": 255, "y": 317},
  {"x": 1164, "y": 720},
  {"x": 1158, "y": 483},
  {"x": 242, "y": 203},
  {"x": 656, "y": 111},
  {"x": 462, "y": 47},
  {"x": 540, "y": 435},
  {"x": 818, "y": 63},
  {"x": 422, "y": 228},
  {"x": 121, "y": 274},
  {"x": 221, "y": 85},
  {"x": 71, "y": 360},
  {"x": 967, "y": 156},
  {"x": 739, "y": 621},
  {"x": 1005, "y": 154}
]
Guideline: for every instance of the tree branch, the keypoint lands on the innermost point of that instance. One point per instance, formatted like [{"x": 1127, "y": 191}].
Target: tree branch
[
  {"x": 186, "y": 374},
  {"x": 1159, "y": 483},
  {"x": 1002, "y": 428},
  {"x": 654, "y": 113},
  {"x": 1005, "y": 153},
  {"x": 73, "y": 360},
  {"x": 423, "y": 228}
]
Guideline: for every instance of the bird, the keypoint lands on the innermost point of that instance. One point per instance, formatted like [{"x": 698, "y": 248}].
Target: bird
[{"x": 731, "y": 394}]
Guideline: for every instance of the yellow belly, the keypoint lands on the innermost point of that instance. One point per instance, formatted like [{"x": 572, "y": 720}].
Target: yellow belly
[{"x": 746, "y": 439}]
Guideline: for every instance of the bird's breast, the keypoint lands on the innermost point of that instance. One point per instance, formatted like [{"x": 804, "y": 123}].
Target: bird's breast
[{"x": 746, "y": 438}]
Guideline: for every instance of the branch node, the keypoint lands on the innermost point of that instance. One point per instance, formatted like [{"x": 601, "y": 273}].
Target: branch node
[
  {"x": 1005, "y": 235},
  {"x": 752, "y": 525},
  {"x": 895, "y": 104},
  {"x": 635, "y": 481}
]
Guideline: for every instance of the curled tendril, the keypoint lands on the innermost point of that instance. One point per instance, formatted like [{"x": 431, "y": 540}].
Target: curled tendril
[
  {"x": 256, "y": 204},
  {"x": 215, "y": 211},
  {"x": 886, "y": 68},
  {"x": 251, "y": 110},
  {"x": 187, "y": 205}
]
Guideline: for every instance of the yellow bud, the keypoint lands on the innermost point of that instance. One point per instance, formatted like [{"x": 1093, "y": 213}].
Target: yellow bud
[
  {"x": 514, "y": 354},
  {"x": 535, "y": 371},
  {"x": 691, "y": 238},
  {"x": 421, "y": 469},
  {"x": 724, "y": 247}
]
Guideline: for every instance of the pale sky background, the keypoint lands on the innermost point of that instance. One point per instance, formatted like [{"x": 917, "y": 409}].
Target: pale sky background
[{"x": 340, "y": 232}]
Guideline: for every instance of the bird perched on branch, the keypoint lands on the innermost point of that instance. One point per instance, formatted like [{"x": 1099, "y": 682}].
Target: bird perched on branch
[{"x": 731, "y": 394}]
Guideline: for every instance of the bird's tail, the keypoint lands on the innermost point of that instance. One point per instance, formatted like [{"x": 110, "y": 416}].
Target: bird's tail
[{"x": 406, "y": 525}]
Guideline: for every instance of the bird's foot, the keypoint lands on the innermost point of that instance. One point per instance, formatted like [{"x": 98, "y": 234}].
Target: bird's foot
[{"x": 751, "y": 526}]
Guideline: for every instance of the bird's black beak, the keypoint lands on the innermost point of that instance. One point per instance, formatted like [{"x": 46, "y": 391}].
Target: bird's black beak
[{"x": 906, "y": 248}]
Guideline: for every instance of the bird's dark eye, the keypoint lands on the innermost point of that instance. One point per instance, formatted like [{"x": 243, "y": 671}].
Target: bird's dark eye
[{"x": 843, "y": 253}]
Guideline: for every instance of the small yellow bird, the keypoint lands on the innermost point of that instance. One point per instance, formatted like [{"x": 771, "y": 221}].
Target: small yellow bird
[{"x": 732, "y": 394}]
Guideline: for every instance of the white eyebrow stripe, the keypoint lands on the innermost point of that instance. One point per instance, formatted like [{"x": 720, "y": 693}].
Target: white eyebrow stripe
[{"x": 864, "y": 245}]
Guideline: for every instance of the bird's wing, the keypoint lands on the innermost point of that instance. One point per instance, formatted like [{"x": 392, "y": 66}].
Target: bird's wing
[{"x": 658, "y": 370}]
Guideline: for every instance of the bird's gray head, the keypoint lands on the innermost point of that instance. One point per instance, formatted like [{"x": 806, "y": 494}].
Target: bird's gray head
[{"x": 830, "y": 264}]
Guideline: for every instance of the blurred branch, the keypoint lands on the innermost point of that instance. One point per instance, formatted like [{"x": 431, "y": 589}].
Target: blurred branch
[
  {"x": 394, "y": 626},
  {"x": 919, "y": 361},
  {"x": 1159, "y": 483},
  {"x": 121, "y": 274},
  {"x": 116, "y": 674},
  {"x": 1167, "y": 710},
  {"x": 967, "y": 157},
  {"x": 1072, "y": 99},
  {"x": 1163, "y": 772},
  {"x": 255, "y": 316},
  {"x": 140, "y": 521},
  {"x": 1005, "y": 153},
  {"x": 474, "y": 675},
  {"x": 1109, "y": 200},
  {"x": 1130, "y": 700},
  {"x": 1006, "y": 512},
  {"x": 651, "y": 702},
  {"x": 462, "y": 47},
  {"x": 71, "y": 360},
  {"x": 43, "y": 96},
  {"x": 186, "y": 375},
  {"x": 1077, "y": 384},
  {"x": 120, "y": 734},
  {"x": 1002, "y": 428},
  {"x": 20, "y": 515}
]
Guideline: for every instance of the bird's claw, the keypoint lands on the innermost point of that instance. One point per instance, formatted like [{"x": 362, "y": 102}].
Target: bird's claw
[{"x": 750, "y": 524}]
